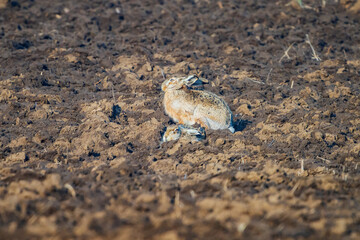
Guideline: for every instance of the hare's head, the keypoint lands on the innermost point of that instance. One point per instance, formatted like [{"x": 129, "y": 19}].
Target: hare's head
[
  {"x": 178, "y": 82},
  {"x": 171, "y": 133}
]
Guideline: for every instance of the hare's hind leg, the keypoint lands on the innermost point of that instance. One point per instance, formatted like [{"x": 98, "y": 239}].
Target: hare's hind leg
[
  {"x": 200, "y": 119},
  {"x": 202, "y": 123},
  {"x": 231, "y": 129}
]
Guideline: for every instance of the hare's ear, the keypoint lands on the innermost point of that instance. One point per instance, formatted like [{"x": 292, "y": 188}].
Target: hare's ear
[
  {"x": 203, "y": 80},
  {"x": 192, "y": 79},
  {"x": 189, "y": 80}
]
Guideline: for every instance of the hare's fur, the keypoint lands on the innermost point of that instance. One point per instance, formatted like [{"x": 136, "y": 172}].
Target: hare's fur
[
  {"x": 173, "y": 133},
  {"x": 188, "y": 106}
]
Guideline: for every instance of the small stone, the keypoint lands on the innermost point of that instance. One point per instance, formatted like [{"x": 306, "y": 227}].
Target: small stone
[
  {"x": 330, "y": 137},
  {"x": 148, "y": 66},
  {"x": 318, "y": 136},
  {"x": 219, "y": 142},
  {"x": 21, "y": 156},
  {"x": 52, "y": 180}
]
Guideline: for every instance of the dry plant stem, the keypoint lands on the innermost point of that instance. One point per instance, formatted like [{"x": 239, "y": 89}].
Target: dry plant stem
[
  {"x": 345, "y": 54},
  {"x": 323, "y": 159},
  {"x": 268, "y": 76},
  {"x": 315, "y": 56},
  {"x": 344, "y": 175},
  {"x": 286, "y": 54},
  {"x": 70, "y": 189},
  {"x": 302, "y": 165},
  {"x": 162, "y": 73},
  {"x": 269, "y": 145},
  {"x": 300, "y": 3},
  {"x": 192, "y": 194},
  {"x": 113, "y": 94},
  {"x": 255, "y": 81},
  {"x": 295, "y": 188}
]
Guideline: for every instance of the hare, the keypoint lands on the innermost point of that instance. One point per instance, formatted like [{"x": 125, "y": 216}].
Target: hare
[
  {"x": 188, "y": 106},
  {"x": 173, "y": 133}
]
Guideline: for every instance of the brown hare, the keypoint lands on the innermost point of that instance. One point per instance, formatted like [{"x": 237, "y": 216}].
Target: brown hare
[
  {"x": 174, "y": 132},
  {"x": 188, "y": 106}
]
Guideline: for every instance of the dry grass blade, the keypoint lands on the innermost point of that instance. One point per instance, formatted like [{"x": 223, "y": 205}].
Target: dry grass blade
[
  {"x": 286, "y": 54},
  {"x": 268, "y": 76},
  {"x": 162, "y": 73},
  {"x": 255, "y": 81},
  {"x": 314, "y": 56},
  {"x": 70, "y": 189}
]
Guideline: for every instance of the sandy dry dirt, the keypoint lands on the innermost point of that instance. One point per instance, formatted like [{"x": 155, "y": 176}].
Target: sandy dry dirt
[{"x": 81, "y": 118}]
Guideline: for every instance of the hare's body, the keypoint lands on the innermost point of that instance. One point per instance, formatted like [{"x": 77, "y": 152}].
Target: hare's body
[{"x": 188, "y": 106}]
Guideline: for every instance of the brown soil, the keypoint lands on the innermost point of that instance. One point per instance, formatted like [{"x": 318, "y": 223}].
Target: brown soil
[{"x": 81, "y": 120}]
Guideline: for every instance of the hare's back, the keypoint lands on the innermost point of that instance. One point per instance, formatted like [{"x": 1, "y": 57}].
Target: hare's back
[
  {"x": 212, "y": 107},
  {"x": 209, "y": 100}
]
